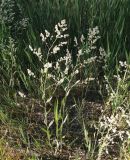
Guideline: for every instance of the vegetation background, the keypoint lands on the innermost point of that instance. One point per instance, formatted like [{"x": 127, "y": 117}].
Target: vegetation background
[{"x": 21, "y": 23}]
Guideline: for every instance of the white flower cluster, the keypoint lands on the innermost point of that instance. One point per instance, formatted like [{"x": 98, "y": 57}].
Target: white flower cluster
[
  {"x": 60, "y": 28},
  {"x": 93, "y": 36},
  {"x": 52, "y": 41},
  {"x": 47, "y": 66},
  {"x": 103, "y": 54},
  {"x": 116, "y": 125},
  {"x": 37, "y": 52},
  {"x": 63, "y": 69},
  {"x": 46, "y": 36},
  {"x": 56, "y": 49},
  {"x": 123, "y": 64},
  {"x": 90, "y": 60},
  {"x": 30, "y": 73}
]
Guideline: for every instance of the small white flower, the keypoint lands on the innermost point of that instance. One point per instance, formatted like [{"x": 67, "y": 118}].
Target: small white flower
[
  {"x": 80, "y": 52},
  {"x": 21, "y": 94},
  {"x": 57, "y": 65},
  {"x": 43, "y": 37},
  {"x": 114, "y": 130},
  {"x": 48, "y": 65},
  {"x": 63, "y": 21},
  {"x": 63, "y": 43},
  {"x": 66, "y": 35},
  {"x": 76, "y": 72},
  {"x": 122, "y": 64},
  {"x": 76, "y": 41},
  {"x": 107, "y": 151},
  {"x": 45, "y": 70},
  {"x": 128, "y": 122},
  {"x": 56, "y": 49},
  {"x": 128, "y": 134},
  {"x": 30, "y": 47},
  {"x": 47, "y": 33},
  {"x": 57, "y": 31},
  {"x": 64, "y": 29},
  {"x": 17, "y": 104},
  {"x": 82, "y": 38},
  {"x": 38, "y": 53},
  {"x": 30, "y": 73},
  {"x": 42, "y": 71},
  {"x": 66, "y": 71}
]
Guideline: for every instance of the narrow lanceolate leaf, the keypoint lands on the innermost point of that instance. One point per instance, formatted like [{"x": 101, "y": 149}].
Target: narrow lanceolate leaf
[{"x": 56, "y": 115}]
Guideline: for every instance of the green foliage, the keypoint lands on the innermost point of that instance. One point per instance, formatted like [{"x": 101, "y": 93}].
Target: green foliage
[
  {"x": 48, "y": 93},
  {"x": 111, "y": 17},
  {"x": 11, "y": 16}
]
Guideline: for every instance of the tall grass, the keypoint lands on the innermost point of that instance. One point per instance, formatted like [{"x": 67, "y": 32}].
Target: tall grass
[
  {"x": 112, "y": 18},
  {"x": 50, "y": 100}
]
